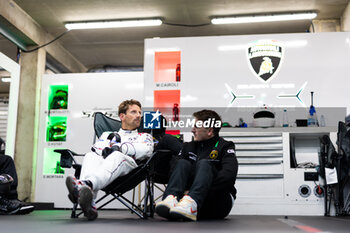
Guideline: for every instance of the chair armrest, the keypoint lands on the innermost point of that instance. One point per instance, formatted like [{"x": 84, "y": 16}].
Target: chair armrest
[
  {"x": 67, "y": 157},
  {"x": 156, "y": 157}
]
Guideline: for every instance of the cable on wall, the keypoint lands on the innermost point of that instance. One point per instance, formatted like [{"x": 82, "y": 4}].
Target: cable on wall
[
  {"x": 41, "y": 46},
  {"x": 186, "y": 25}
]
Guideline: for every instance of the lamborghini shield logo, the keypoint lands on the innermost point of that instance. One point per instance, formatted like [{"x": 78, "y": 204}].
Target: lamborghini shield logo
[{"x": 265, "y": 58}]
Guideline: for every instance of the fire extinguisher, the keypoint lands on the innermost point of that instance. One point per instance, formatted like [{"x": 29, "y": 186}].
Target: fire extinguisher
[
  {"x": 178, "y": 72},
  {"x": 176, "y": 112}
]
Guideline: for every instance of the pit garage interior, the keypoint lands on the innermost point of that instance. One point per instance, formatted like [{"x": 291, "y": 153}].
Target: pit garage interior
[{"x": 188, "y": 61}]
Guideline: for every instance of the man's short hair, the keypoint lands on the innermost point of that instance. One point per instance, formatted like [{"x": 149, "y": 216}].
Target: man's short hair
[
  {"x": 123, "y": 107},
  {"x": 206, "y": 114}
]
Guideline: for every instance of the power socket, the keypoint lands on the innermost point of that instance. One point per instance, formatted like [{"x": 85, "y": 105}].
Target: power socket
[{"x": 311, "y": 176}]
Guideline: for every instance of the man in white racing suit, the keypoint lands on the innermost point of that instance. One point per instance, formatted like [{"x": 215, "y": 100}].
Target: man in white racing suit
[{"x": 113, "y": 155}]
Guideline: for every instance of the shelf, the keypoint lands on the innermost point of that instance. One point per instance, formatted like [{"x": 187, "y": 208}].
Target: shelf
[
  {"x": 259, "y": 176},
  {"x": 232, "y": 131}
]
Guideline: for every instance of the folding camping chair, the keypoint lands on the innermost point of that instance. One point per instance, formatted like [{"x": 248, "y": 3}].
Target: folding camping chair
[
  {"x": 339, "y": 192},
  {"x": 343, "y": 167},
  {"x": 328, "y": 158},
  {"x": 144, "y": 172}
]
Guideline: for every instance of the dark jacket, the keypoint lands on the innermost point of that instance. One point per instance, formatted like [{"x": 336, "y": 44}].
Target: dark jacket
[{"x": 225, "y": 161}]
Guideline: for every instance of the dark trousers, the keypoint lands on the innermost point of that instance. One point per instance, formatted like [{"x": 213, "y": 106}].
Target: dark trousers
[
  {"x": 166, "y": 163},
  {"x": 198, "y": 178},
  {"x": 7, "y": 166}
]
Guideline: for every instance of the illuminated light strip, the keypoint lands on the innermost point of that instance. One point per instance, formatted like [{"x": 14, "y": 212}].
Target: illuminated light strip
[
  {"x": 234, "y": 97},
  {"x": 6, "y": 79},
  {"x": 113, "y": 24},
  {"x": 297, "y": 95},
  {"x": 263, "y": 18}
]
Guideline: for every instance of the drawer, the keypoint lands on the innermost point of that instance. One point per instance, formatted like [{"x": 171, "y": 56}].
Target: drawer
[
  {"x": 260, "y": 168},
  {"x": 244, "y": 140},
  {"x": 260, "y": 188}
]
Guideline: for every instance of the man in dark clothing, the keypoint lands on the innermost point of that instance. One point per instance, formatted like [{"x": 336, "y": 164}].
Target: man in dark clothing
[
  {"x": 9, "y": 204},
  {"x": 207, "y": 167}
]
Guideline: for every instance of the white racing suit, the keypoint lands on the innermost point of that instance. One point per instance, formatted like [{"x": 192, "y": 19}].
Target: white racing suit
[{"x": 101, "y": 172}]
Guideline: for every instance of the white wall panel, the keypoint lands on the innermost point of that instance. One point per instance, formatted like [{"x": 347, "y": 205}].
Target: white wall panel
[{"x": 87, "y": 93}]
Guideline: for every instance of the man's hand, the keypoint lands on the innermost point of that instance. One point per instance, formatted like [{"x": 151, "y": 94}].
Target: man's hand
[{"x": 109, "y": 150}]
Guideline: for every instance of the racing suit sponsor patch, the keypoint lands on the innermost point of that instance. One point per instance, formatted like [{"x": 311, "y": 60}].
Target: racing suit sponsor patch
[
  {"x": 192, "y": 156},
  {"x": 231, "y": 151}
]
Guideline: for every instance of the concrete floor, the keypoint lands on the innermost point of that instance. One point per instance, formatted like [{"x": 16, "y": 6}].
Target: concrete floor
[{"x": 52, "y": 221}]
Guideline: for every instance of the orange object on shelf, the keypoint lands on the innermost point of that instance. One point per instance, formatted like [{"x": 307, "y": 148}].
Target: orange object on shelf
[
  {"x": 166, "y": 65},
  {"x": 178, "y": 72},
  {"x": 176, "y": 112}
]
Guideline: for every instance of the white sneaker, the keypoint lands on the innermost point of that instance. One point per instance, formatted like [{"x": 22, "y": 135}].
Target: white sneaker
[
  {"x": 186, "y": 209},
  {"x": 163, "y": 207}
]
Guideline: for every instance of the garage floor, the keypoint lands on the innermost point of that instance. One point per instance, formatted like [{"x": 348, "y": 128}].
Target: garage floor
[{"x": 52, "y": 221}]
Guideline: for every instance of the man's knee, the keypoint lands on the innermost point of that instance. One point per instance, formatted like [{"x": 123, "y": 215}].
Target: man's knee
[
  {"x": 7, "y": 165},
  {"x": 204, "y": 164},
  {"x": 169, "y": 142},
  {"x": 167, "y": 138},
  {"x": 5, "y": 159},
  {"x": 205, "y": 167},
  {"x": 183, "y": 163}
]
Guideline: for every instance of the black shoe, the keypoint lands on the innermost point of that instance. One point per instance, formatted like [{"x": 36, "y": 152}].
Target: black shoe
[
  {"x": 73, "y": 186},
  {"x": 14, "y": 207},
  {"x": 25, "y": 208},
  {"x": 87, "y": 203},
  {"x": 8, "y": 206}
]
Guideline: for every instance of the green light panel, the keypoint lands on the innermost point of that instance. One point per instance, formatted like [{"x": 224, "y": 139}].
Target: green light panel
[
  {"x": 58, "y": 97},
  {"x": 56, "y": 128},
  {"x": 51, "y": 163}
]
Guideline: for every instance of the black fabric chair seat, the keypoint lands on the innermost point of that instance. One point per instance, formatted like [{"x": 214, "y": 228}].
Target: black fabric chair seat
[{"x": 127, "y": 182}]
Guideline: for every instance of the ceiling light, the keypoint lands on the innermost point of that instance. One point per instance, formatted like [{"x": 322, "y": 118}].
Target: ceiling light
[
  {"x": 113, "y": 24},
  {"x": 263, "y": 18},
  {"x": 6, "y": 79}
]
